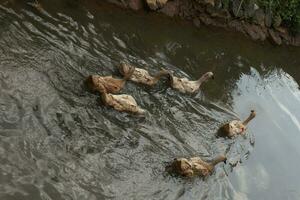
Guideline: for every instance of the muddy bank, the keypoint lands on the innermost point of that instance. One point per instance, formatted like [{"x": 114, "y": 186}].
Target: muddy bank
[{"x": 246, "y": 17}]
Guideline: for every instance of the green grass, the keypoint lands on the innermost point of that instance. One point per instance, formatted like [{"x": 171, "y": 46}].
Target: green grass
[{"x": 288, "y": 10}]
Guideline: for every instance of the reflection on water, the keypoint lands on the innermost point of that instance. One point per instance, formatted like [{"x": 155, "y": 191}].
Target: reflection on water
[
  {"x": 274, "y": 160},
  {"x": 58, "y": 142}
]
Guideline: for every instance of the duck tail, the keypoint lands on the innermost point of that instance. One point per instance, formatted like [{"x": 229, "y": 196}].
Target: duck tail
[
  {"x": 129, "y": 73},
  {"x": 89, "y": 83}
]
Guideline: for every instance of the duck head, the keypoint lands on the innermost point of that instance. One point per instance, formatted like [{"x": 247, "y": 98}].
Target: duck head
[{"x": 207, "y": 76}]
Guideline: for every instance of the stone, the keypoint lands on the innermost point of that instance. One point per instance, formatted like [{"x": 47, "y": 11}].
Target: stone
[
  {"x": 259, "y": 17},
  {"x": 296, "y": 40},
  {"x": 250, "y": 9},
  {"x": 236, "y": 25},
  {"x": 283, "y": 33},
  {"x": 255, "y": 32},
  {"x": 206, "y": 2},
  {"x": 156, "y": 4},
  {"x": 209, "y": 2},
  {"x": 117, "y": 2},
  {"x": 276, "y": 22},
  {"x": 276, "y": 39},
  {"x": 171, "y": 8},
  {"x": 282, "y": 30},
  {"x": 205, "y": 19},
  {"x": 196, "y": 22},
  {"x": 211, "y": 10},
  {"x": 268, "y": 18},
  {"x": 135, "y": 4},
  {"x": 221, "y": 14},
  {"x": 218, "y": 4}
]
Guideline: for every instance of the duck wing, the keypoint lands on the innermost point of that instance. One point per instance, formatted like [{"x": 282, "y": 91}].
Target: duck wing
[
  {"x": 190, "y": 86},
  {"x": 141, "y": 76},
  {"x": 112, "y": 85},
  {"x": 125, "y": 103},
  {"x": 236, "y": 127},
  {"x": 178, "y": 83}
]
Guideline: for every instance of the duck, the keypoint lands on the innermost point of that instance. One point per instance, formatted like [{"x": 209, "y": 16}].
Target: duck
[
  {"x": 194, "y": 166},
  {"x": 184, "y": 85},
  {"x": 235, "y": 127},
  {"x": 141, "y": 75},
  {"x": 36, "y": 5},
  {"x": 120, "y": 102},
  {"x": 112, "y": 85}
]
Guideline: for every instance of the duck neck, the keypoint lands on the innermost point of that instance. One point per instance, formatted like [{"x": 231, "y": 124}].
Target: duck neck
[
  {"x": 251, "y": 116},
  {"x": 159, "y": 75},
  {"x": 202, "y": 79},
  {"x": 217, "y": 160}
]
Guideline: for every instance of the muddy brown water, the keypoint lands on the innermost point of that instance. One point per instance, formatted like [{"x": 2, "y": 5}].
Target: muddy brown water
[{"x": 58, "y": 142}]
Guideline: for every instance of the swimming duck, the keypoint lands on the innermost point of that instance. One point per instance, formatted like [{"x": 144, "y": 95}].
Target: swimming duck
[
  {"x": 142, "y": 76},
  {"x": 194, "y": 166},
  {"x": 36, "y": 5},
  {"x": 186, "y": 86},
  {"x": 121, "y": 102},
  {"x": 112, "y": 85},
  {"x": 235, "y": 127}
]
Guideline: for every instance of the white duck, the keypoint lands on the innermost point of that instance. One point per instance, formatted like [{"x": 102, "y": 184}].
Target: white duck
[
  {"x": 194, "y": 166},
  {"x": 186, "y": 86},
  {"x": 235, "y": 127},
  {"x": 121, "y": 102},
  {"x": 141, "y": 75}
]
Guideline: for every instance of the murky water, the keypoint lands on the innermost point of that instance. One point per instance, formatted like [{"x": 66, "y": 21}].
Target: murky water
[{"x": 58, "y": 142}]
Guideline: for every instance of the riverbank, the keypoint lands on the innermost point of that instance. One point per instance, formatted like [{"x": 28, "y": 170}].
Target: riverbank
[{"x": 247, "y": 18}]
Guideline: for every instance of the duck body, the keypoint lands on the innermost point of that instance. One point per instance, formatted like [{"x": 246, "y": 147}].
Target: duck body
[
  {"x": 184, "y": 85},
  {"x": 123, "y": 103},
  {"x": 235, "y": 127},
  {"x": 194, "y": 166},
  {"x": 141, "y": 75},
  {"x": 112, "y": 85}
]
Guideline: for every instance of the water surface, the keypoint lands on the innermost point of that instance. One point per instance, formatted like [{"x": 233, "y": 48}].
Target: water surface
[{"x": 57, "y": 141}]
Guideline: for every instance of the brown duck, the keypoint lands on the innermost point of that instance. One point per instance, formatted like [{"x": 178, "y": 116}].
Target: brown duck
[
  {"x": 194, "y": 166},
  {"x": 112, "y": 85},
  {"x": 235, "y": 127},
  {"x": 121, "y": 102},
  {"x": 186, "y": 86},
  {"x": 140, "y": 75}
]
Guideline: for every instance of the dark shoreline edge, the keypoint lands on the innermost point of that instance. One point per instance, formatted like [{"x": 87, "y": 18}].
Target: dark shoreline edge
[{"x": 207, "y": 12}]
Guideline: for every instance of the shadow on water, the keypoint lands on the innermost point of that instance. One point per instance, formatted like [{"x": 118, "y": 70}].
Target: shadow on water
[{"x": 59, "y": 142}]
